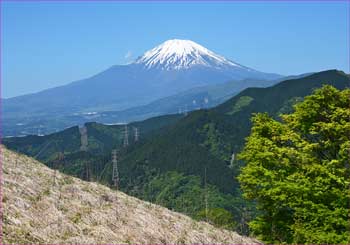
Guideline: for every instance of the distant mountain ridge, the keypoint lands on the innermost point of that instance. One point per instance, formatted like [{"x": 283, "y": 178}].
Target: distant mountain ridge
[
  {"x": 182, "y": 103},
  {"x": 172, "y": 67}
]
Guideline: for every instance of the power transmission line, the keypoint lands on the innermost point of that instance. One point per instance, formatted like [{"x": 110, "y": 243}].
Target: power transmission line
[{"x": 42, "y": 149}]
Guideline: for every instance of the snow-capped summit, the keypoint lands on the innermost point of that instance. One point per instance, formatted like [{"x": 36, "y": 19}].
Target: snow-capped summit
[{"x": 179, "y": 54}]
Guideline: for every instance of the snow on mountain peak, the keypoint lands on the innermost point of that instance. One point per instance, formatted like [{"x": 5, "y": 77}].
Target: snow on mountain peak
[{"x": 182, "y": 54}]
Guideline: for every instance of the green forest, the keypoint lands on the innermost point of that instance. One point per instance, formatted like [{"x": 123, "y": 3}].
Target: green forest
[
  {"x": 289, "y": 183},
  {"x": 297, "y": 170}
]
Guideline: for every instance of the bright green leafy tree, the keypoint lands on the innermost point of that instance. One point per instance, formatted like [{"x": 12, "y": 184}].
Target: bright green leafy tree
[{"x": 297, "y": 170}]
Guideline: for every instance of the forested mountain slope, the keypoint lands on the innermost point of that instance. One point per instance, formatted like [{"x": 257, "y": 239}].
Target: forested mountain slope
[{"x": 190, "y": 159}]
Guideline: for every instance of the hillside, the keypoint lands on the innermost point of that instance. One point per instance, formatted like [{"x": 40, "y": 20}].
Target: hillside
[
  {"x": 207, "y": 138},
  {"x": 175, "y": 165},
  {"x": 45, "y": 206},
  {"x": 101, "y": 138},
  {"x": 193, "y": 99},
  {"x": 197, "y": 98}
]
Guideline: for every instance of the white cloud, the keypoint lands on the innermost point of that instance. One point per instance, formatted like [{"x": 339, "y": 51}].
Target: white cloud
[{"x": 128, "y": 56}]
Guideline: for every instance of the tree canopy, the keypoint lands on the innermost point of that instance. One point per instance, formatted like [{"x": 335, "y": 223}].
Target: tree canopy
[{"x": 297, "y": 169}]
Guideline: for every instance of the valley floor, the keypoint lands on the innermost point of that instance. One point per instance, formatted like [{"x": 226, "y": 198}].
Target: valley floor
[{"x": 41, "y": 205}]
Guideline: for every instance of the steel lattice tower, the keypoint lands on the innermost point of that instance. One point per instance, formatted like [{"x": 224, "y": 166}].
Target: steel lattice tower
[
  {"x": 137, "y": 135},
  {"x": 115, "y": 173},
  {"x": 126, "y": 136}
]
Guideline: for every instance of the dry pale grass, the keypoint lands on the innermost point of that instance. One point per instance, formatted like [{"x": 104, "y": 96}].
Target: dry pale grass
[{"x": 43, "y": 207}]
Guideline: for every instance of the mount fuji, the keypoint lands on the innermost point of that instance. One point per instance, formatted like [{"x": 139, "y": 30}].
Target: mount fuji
[
  {"x": 173, "y": 67},
  {"x": 184, "y": 54}
]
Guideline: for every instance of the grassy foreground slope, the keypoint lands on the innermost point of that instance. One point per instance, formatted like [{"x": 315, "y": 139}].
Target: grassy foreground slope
[{"x": 44, "y": 206}]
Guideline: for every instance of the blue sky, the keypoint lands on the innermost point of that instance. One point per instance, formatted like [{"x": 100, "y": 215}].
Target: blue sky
[{"x": 47, "y": 44}]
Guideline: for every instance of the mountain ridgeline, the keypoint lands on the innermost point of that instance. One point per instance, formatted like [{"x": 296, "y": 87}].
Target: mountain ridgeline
[
  {"x": 197, "y": 98},
  {"x": 183, "y": 162},
  {"x": 172, "y": 68}
]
